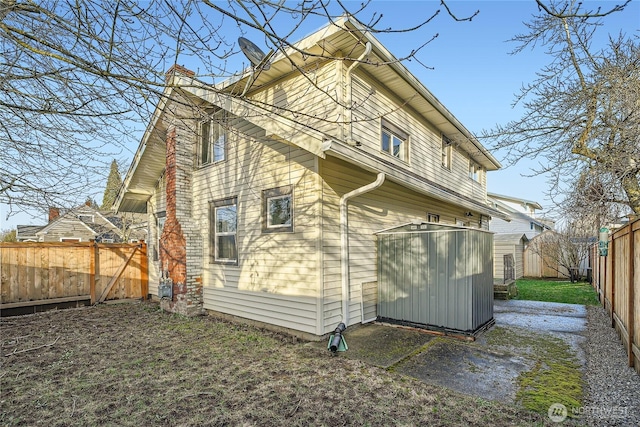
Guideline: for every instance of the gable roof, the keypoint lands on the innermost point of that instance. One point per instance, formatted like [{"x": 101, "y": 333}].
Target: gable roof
[
  {"x": 96, "y": 228},
  {"x": 27, "y": 232},
  {"x": 510, "y": 238},
  {"x": 498, "y": 197},
  {"x": 344, "y": 35}
]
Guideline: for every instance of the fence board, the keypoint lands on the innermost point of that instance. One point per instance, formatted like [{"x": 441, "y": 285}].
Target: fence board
[
  {"x": 43, "y": 272},
  {"x": 616, "y": 277}
]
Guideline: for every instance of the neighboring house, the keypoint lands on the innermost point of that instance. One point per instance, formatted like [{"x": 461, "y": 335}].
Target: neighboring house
[
  {"x": 508, "y": 244},
  {"x": 522, "y": 215},
  {"x": 80, "y": 224},
  {"x": 265, "y": 204}
]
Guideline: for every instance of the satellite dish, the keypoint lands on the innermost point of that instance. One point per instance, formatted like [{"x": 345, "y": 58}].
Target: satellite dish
[{"x": 253, "y": 53}]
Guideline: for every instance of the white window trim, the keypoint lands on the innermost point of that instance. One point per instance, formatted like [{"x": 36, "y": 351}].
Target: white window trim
[
  {"x": 269, "y": 217},
  {"x": 223, "y": 204},
  {"x": 277, "y": 193},
  {"x": 395, "y": 132},
  {"x": 446, "y": 152},
  {"x": 92, "y": 218},
  {"x": 217, "y": 120}
]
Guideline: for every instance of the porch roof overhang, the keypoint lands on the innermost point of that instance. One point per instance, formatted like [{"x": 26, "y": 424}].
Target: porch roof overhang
[{"x": 407, "y": 179}]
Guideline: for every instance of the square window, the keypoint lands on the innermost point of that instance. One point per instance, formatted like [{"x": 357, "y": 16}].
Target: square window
[
  {"x": 433, "y": 218},
  {"x": 474, "y": 171},
  {"x": 277, "y": 209},
  {"x": 446, "y": 152},
  {"x": 394, "y": 141},
  {"x": 213, "y": 143},
  {"x": 224, "y": 222}
]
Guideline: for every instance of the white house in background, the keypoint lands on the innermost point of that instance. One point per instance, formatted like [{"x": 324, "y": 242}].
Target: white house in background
[
  {"x": 265, "y": 191},
  {"x": 522, "y": 214}
]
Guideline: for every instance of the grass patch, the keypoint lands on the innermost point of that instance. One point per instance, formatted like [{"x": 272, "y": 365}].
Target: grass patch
[
  {"x": 555, "y": 376},
  {"x": 556, "y": 291},
  {"x": 131, "y": 365}
]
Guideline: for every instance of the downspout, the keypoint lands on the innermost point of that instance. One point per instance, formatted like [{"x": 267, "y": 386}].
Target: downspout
[
  {"x": 344, "y": 240},
  {"x": 367, "y": 51}
]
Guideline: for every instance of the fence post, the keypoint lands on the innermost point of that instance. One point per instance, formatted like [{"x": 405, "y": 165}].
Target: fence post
[
  {"x": 95, "y": 262},
  {"x": 144, "y": 273},
  {"x": 612, "y": 254}
]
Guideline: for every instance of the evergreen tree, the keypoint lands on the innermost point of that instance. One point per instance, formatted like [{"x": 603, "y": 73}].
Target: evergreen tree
[{"x": 114, "y": 181}]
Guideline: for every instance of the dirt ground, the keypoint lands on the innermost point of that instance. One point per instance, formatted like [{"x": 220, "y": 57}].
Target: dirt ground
[{"x": 132, "y": 365}]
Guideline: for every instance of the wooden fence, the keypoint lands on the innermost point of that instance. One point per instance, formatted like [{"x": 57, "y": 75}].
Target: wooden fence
[
  {"x": 34, "y": 274},
  {"x": 616, "y": 278}
]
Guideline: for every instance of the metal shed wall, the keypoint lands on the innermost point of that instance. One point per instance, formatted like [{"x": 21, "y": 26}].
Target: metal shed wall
[{"x": 436, "y": 275}]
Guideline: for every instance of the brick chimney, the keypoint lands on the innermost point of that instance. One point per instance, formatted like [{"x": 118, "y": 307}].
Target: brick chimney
[
  {"x": 178, "y": 69},
  {"x": 53, "y": 213}
]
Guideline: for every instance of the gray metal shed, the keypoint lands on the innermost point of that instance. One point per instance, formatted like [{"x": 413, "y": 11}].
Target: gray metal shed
[{"x": 436, "y": 276}]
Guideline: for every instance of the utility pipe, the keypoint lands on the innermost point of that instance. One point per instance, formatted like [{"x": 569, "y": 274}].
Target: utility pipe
[
  {"x": 344, "y": 240},
  {"x": 367, "y": 51}
]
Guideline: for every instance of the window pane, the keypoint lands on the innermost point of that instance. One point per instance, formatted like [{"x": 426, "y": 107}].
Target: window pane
[
  {"x": 227, "y": 247},
  {"x": 226, "y": 219},
  {"x": 204, "y": 147},
  {"x": 220, "y": 138},
  {"x": 385, "y": 141},
  {"x": 398, "y": 147},
  {"x": 279, "y": 211}
]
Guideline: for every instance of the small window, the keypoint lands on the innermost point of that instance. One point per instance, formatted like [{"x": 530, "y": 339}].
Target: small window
[
  {"x": 277, "y": 210},
  {"x": 433, "y": 218},
  {"x": 223, "y": 243},
  {"x": 86, "y": 218},
  {"x": 474, "y": 171},
  {"x": 161, "y": 218},
  {"x": 70, "y": 239},
  {"x": 107, "y": 240},
  {"x": 446, "y": 152},
  {"x": 213, "y": 143},
  {"x": 394, "y": 142}
]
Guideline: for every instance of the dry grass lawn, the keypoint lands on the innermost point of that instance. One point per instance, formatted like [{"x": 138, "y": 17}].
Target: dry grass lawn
[{"x": 132, "y": 365}]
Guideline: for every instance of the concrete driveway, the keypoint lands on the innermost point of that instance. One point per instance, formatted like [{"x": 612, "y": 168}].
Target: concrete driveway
[{"x": 487, "y": 368}]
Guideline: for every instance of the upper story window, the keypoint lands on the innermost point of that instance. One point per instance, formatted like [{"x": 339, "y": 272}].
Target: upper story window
[
  {"x": 446, "y": 152},
  {"x": 213, "y": 139},
  {"x": 85, "y": 218},
  {"x": 433, "y": 217},
  {"x": 474, "y": 171},
  {"x": 394, "y": 141}
]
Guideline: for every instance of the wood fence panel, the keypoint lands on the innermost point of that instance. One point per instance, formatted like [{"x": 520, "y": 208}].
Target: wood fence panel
[
  {"x": 40, "y": 272},
  {"x": 620, "y": 285}
]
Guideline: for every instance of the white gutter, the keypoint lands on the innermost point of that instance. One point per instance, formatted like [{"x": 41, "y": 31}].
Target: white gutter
[
  {"x": 367, "y": 51},
  {"x": 344, "y": 240}
]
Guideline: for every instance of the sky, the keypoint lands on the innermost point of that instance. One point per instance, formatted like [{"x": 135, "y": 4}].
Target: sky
[{"x": 470, "y": 70}]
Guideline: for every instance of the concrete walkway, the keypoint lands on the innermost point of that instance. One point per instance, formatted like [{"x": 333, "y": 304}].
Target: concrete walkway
[{"x": 486, "y": 368}]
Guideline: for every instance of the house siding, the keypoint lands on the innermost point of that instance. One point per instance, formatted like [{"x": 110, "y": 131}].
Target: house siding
[
  {"x": 309, "y": 99},
  {"x": 276, "y": 278},
  {"x": 372, "y": 102},
  {"x": 388, "y": 206},
  {"x": 503, "y": 248}
]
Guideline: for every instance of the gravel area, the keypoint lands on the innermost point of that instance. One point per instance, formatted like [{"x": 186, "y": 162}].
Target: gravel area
[{"x": 612, "y": 388}]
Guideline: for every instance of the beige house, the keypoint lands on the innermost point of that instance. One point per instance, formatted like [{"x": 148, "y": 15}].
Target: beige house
[{"x": 266, "y": 190}]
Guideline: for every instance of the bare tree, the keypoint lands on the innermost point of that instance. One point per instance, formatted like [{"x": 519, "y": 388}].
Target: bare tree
[
  {"x": 582, "y": 113},
  {"x": 565, "y": 251},
  {"x": 80, "y": 77}
]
